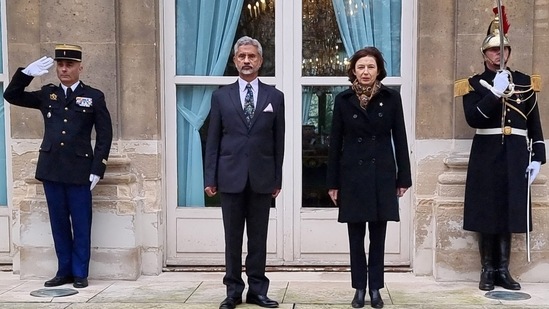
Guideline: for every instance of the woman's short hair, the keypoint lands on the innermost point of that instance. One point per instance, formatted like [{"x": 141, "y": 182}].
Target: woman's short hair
[
  {"x": 246, "y": 40},
  {"x": 367, "y": 51}
]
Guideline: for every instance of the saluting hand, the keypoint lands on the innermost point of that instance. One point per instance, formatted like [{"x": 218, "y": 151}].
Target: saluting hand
[{"x": 38, "y": 67}]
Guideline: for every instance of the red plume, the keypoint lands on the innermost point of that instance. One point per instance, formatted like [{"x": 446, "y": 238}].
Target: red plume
[{"x": 505, "y": 22}]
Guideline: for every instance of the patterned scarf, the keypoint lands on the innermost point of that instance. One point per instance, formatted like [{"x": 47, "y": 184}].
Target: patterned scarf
[{"x": 365, "y": 93}]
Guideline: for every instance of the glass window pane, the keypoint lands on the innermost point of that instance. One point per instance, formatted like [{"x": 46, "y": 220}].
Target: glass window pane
[
  {"x": 334, "y": 29},
  {"x": 207, "y": 30},
  {"x": 323, "y": 51},
  {"x": 317, "y": 109}
]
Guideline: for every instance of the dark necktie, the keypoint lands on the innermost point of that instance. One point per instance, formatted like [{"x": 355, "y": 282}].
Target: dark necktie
[
  {"x": 69, "y": 93},
  {"x": 249, "y": 105}
]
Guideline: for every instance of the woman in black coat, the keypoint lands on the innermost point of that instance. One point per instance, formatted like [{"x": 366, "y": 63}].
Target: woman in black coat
[{"x": 368, "y": 167}]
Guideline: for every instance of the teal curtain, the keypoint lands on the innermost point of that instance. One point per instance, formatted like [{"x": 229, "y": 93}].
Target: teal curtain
[
  {"x": 371, "y": 23},
  {"x": 205, "y": 31}
]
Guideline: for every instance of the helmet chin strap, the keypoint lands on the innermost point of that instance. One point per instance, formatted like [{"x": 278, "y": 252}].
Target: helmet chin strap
[{"x": 493, "y": 64}]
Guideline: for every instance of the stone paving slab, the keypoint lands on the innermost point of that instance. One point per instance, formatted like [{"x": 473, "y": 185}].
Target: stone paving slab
[
  {"x": 293, "y": 290},
  {"x": 32, "y": 306},
  {"x": 146, "y": 292}
]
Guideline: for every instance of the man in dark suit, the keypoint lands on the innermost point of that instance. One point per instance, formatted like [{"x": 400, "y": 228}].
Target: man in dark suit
[
  {"x": 68, "y": 166},
  {"x": 244, "y": 152}
]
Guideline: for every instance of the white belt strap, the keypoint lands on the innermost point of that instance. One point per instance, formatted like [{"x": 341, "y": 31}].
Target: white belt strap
[{"x": 505, "y": 131}]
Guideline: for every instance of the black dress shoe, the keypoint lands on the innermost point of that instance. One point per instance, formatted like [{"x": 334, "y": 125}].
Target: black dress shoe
[
  {"x": 358, "y": 300},
  {"x": 230, "y": 302},
  {"x": 57, "y": 281},
  {"x": 80, "y": 282},
  {"x": 375, "y": 299},
  {"x": 261, "y": 300}
]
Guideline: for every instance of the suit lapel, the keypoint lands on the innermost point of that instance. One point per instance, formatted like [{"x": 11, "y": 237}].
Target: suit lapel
[
  {"x": 234, "y": 94},
  {"x": 60, "y": 96},
  {"x": 262, "y": 96}
]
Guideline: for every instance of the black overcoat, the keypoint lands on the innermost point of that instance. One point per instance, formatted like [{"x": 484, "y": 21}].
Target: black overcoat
[
  {"x": 496, "y": 185},
  {"x": 66, "y": 153},
  {"x": 368, "y": 157}
]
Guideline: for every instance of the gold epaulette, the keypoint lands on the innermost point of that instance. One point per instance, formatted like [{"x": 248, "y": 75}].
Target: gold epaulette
[
  {"x": 536, "y": 82},
  {"x": 462, "y": 87}
]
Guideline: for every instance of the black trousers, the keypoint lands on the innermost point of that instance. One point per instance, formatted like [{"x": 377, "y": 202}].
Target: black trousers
[
  {"x": 250, "y": 209},
  {"x": 367, "y": 273}
]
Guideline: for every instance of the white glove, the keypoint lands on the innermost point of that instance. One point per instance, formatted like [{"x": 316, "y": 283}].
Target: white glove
[
  {"x": 94, "y": 179},
  {"x": 533, "y": 170},
  {"x": 501, "y": 83},
  {"x": 39, "y": 67}
]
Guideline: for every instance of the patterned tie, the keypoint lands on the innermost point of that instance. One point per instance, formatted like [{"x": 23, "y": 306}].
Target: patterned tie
[{"x": 249, "y": 105}]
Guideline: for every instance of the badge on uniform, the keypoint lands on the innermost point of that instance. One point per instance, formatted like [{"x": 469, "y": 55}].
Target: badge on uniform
[
  {"x": 53, "y": 96},
  {"x": 84, "y": 102}
]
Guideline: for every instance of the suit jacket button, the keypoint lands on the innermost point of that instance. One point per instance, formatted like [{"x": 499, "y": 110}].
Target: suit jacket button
[
  {"x": 62, "y": 144},
  {"x": 65, "y": 120},
  {"x": 66, "y": 108}
]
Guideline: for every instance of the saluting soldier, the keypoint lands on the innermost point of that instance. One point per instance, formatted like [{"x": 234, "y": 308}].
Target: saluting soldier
[
  {"x": 68, "y": 166},
  {"x": 502, "y": 106}
]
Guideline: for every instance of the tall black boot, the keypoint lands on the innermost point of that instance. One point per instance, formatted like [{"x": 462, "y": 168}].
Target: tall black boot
[
  {"x": 486, "y": 247},
  {"x": 503, "y": 277}
]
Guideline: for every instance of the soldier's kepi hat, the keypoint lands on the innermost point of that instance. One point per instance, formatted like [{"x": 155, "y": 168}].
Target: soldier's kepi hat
[{"x": 68, "y": 52}]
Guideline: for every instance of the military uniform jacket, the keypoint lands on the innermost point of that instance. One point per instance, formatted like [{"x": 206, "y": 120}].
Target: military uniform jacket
[
  {"x": 496, "y": 185},
  {"x": 66, "y": 154},
  {"x": 361, "y": 162}
]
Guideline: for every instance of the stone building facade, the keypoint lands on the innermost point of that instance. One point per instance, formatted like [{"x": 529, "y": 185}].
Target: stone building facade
[{"x": 123, "y": 56}]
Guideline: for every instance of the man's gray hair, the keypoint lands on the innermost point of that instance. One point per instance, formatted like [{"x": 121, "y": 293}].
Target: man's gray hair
[{"x": 246, "y": 40}]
